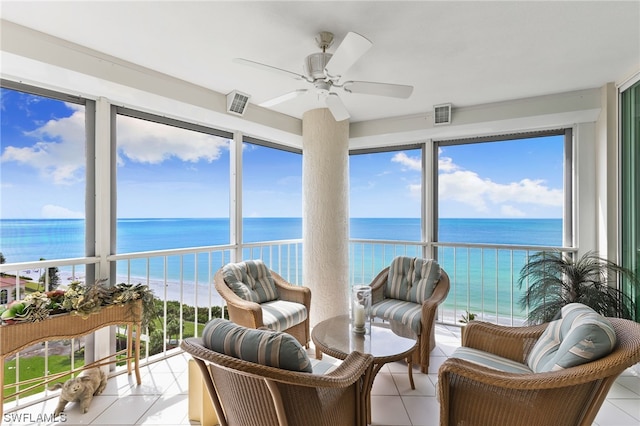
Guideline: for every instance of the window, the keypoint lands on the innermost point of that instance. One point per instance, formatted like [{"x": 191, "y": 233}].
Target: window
[
  {"x": 173, "y": 192},
  {"x": 497, "y": 200},
  {"x": 271, "y": 192},
  {"x": 172, "y": 183},
  {"x": 502, "y": 191},
  {"x": 4, "y": 296},
  {"x": 630, "y": 186},
  {"x": 42, "y": 146},
  {"x": 386, "y": 194}
]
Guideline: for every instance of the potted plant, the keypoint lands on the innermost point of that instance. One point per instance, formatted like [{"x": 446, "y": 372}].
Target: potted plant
[
  {"x": 555, "y": 279},
  {"x": 464, "y": 320}
]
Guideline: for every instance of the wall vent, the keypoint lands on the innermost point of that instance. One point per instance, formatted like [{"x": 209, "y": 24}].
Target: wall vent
[
  {"x": 237, "y": 102},
  {"x": 442, "y": 114}
]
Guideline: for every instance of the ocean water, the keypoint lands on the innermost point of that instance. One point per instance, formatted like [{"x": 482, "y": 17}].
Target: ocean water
[{"x": 484, "y": 278}]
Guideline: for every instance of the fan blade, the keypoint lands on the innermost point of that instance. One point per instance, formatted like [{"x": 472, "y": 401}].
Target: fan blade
[
  {"x": 337, "y": 108},
  {"x": 380, "y": 89},
  {"x": 283, "y": 98},
  {"x": 350, "y": 50},
  {"x": 269, "y": 68}
]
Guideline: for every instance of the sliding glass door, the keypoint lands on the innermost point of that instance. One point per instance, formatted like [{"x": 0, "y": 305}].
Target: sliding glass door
[{"x": 630, "y": 183}]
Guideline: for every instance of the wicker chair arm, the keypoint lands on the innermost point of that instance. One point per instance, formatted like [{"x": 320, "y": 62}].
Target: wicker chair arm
[
  {"x": 430, "y": 306},
  {"x": 377, "y": 286},
  {"x": 489, "y": 377},
  {"x": 513, "y": 343},
  {"x": 290, "y": 292},
  {"x": 440, "y": 292}
]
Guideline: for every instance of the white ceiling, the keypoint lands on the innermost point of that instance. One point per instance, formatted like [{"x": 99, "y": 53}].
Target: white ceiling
[{"x": 464, "y": 53}]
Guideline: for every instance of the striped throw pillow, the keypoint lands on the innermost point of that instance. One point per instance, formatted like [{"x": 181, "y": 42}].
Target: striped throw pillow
[
  {"x": 266, "y": 347},
  {"x": 250, "y": 280},
  {"x": 412, "y": 279},
  {"x": 581, "y": 335}
]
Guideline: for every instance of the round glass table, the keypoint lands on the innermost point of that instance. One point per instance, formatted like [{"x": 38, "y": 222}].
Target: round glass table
[{"x": 388, "y": 342}]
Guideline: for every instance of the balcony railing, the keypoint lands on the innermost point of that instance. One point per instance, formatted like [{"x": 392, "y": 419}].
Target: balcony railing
[{"x": 483, "y": 279}]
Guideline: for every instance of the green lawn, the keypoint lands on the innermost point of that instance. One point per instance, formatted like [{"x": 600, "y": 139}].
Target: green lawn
[
  {"x": 33, "y": 367},
  {"x": 188, "y": 328}
]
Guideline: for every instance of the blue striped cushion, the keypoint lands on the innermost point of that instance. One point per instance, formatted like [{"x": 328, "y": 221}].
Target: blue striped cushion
[
  {"x": 412, "y": 279},
  {"x": 266, "y": 347},
  {"x": 280, "y": 315},
  {"x": 426, "y": 273},
  {"x": 397, "y": 286},
  {"x": 580, "y": 336},
  {"x": 250, "y": 280},
  {"x": 408, "y": 313},
  {"x": 490, "y": 360}
]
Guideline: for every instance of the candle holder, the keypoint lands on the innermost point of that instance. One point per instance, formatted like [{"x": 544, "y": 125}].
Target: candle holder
[{"x": 361, "y": 309}]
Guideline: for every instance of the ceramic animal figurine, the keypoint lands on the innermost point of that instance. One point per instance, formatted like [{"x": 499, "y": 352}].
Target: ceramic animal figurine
[{"x": 82, "y": 389}]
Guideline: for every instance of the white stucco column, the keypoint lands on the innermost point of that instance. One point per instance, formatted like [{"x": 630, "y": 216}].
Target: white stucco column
[{"x": 325, "y": 213}]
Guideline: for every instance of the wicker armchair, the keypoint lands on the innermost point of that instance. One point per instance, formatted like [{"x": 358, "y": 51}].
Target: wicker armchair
[
  {"x": 244, "y": 393},
  {"x": 426, "y": 337},
  {"x": 249, "y": 314},
  {"x": 471, "y": 394}
]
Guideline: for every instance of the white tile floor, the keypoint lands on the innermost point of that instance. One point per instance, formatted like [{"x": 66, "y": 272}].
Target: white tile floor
[{"x": 162, "y": 397}]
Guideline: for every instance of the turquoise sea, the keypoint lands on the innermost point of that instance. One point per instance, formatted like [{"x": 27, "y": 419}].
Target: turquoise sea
[
  {"x": 23, "y": 240},
  {"x": 483, "y": 278}
]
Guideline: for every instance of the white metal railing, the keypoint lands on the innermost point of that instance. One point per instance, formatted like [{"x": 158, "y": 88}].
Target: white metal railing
[{"x": 483, "y": 277}]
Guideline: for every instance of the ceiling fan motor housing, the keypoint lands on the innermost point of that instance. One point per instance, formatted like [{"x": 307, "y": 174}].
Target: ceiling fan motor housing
[{"x": 315, "y": 64}]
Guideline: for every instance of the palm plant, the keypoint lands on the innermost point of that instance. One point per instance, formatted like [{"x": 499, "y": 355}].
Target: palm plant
[{"x": 555, "y": 279}]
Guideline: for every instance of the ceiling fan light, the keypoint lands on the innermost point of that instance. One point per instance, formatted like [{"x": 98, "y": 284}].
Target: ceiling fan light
[{"x": 315, "y": 63}]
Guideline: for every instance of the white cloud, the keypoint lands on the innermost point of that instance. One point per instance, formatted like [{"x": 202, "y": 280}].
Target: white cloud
[
  {"x": 464, "y": 186},
  {"x": 411, "y": 163},
  {"x": 445, "y": 164},
  {"x": 59, "y": 151},
  {"x": 485, "y": 195},
  {"x": 58, "y": 154},
  {"x": 51, "y": 211},
  {"x": 147, "y": 142}
]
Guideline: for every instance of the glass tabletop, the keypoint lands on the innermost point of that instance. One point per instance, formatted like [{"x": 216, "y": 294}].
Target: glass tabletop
[{"x": 335, "y": 337}]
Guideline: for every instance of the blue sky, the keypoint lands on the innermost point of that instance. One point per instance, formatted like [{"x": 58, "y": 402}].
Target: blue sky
[{"x": 169, "y": 172}]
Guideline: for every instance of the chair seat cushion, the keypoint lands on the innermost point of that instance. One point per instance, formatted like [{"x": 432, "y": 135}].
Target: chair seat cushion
[
  {"x": 323, "y": 367},
  {"x": 266, "y": 347},
  {"x": 251, "y": 280},
  {"x": 280, "y": 315},
  {"x": 580, "y": 336},
  {"x": 408, "y": 313},
  {"x": 490, "y": 360}
]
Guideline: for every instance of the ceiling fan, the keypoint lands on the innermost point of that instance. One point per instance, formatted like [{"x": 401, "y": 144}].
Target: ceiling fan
[{"x": 324, "y": 70}]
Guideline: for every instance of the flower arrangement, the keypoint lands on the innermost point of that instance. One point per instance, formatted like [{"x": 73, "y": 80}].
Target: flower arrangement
[{"x": 79, "y": 299}]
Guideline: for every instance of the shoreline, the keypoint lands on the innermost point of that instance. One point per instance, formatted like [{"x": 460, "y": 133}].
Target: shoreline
[{"x": 207, "y": 296}]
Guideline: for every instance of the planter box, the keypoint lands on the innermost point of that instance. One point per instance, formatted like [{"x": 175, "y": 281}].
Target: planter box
[{"x": 14, "y": 337}]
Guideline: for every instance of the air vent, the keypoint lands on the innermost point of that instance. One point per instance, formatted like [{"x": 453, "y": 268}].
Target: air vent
[
  {"x": 237, "y": 102},
  {"x": 442, "y": 114}
]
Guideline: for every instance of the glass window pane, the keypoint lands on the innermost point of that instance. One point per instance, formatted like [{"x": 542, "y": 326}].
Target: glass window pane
[
  {"x": 42, "y": 202},
  {"x": 173, "y": 187},
  {"x": 386, "y": 195},
  {"x": 506, "y": 192},
  {"x": 271, "y": 194}
]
